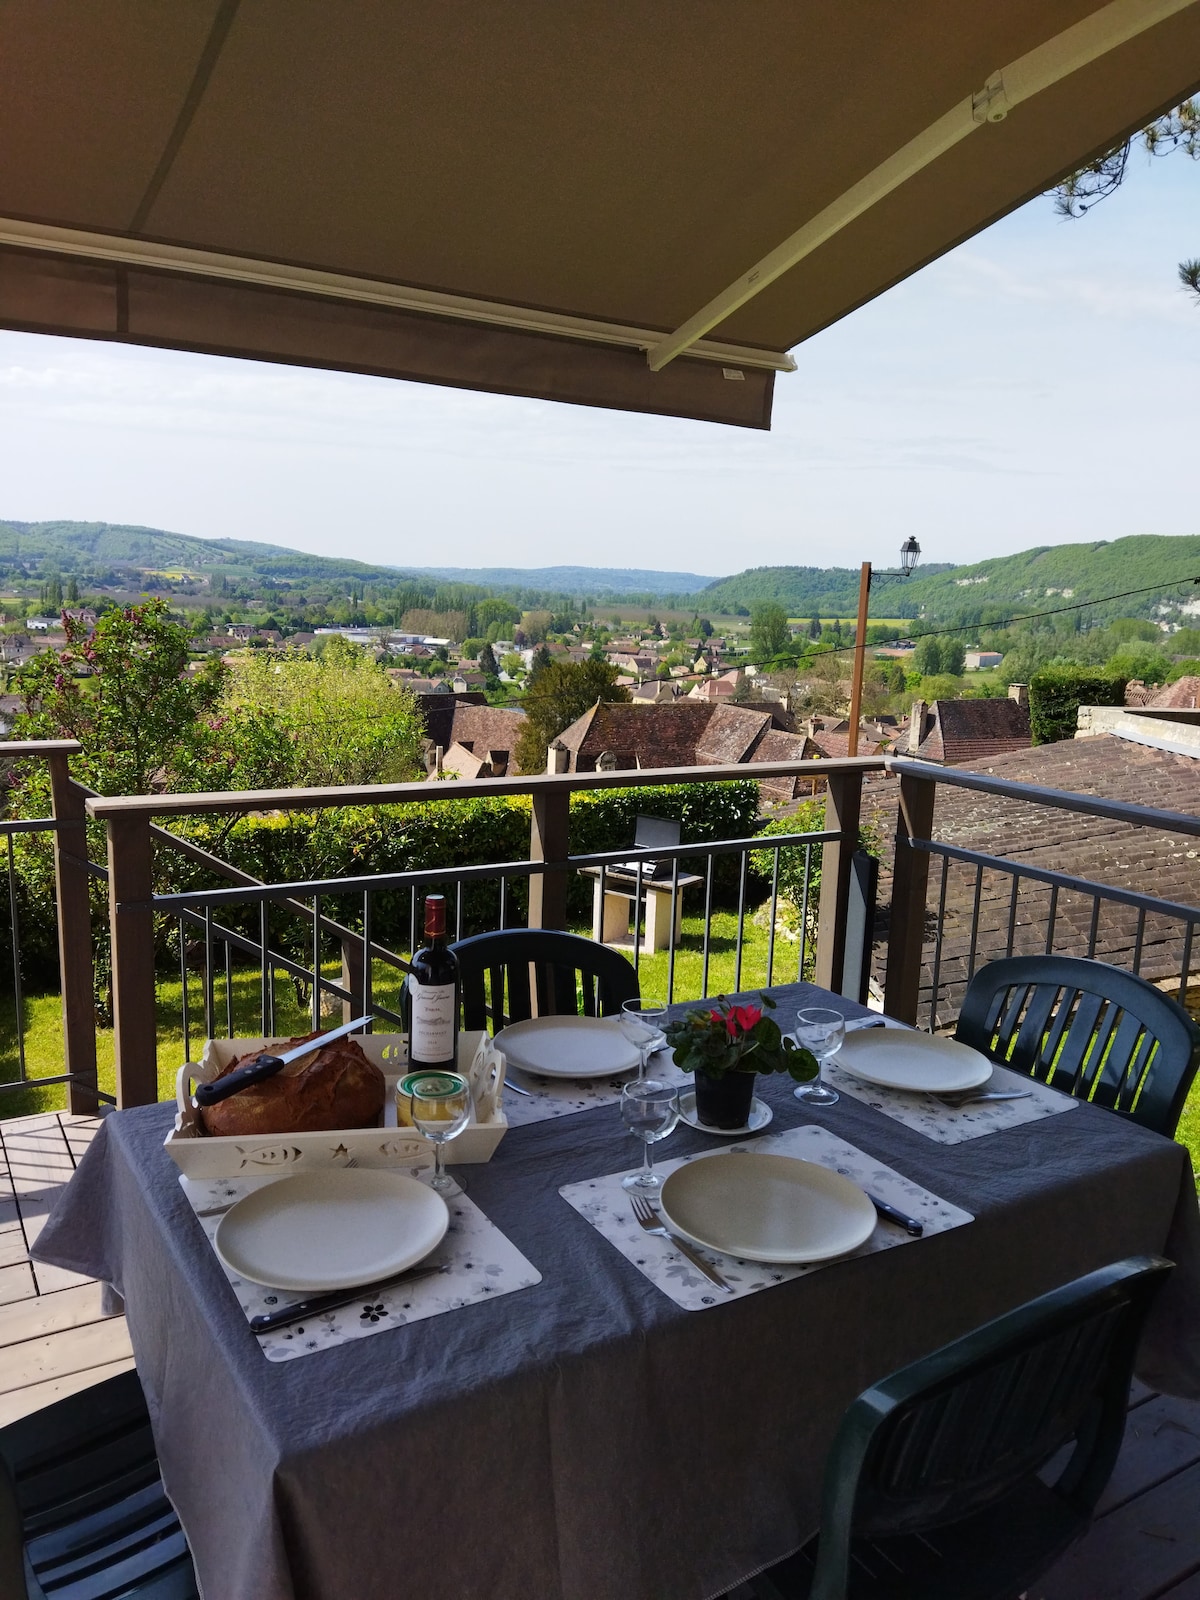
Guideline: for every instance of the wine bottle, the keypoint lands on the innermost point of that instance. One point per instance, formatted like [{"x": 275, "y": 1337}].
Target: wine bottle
[{"x": 432, "y": 993}]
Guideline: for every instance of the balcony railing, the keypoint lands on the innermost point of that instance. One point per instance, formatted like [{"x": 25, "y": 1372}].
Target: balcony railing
[{"x": 237, "y": 929}]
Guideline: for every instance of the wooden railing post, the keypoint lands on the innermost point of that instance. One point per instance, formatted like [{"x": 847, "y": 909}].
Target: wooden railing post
[
  {"x": 352, "y": 978},
  {"x": 131, "y": 921},
  {"x": 910, "y": 883},
  {"x": 75, "y": 967},
  {"x": 549, "y": 836},
  {"x": 843, "y": 801}
]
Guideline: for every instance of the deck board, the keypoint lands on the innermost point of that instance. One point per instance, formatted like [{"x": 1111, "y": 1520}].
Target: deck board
[{"x": 1145, "y": 1544}]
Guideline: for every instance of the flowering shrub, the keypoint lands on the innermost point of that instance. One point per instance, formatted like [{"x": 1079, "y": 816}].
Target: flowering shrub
[{"x": 731, "y": 1037}]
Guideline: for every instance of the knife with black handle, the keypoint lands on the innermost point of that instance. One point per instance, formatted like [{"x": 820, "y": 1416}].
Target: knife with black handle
[
  {"x": 266, "y": 1066},
  {"x": 300, "y": 1309}
]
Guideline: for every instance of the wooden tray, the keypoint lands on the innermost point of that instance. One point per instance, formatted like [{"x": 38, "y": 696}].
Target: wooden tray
[{"x": 200, "y": 1155}]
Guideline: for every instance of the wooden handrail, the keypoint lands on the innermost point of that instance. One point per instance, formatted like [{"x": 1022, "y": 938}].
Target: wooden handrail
[{"x": 385, "y": 794}]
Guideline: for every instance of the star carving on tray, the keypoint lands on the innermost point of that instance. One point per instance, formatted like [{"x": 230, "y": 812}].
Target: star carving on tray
[{"x": 341, "y": 1150}]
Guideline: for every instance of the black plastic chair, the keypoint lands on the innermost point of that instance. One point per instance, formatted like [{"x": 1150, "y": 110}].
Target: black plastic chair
[
  {"x": 570, "y": 974},
  {"x": 82, "y": 1507},
  {"x": 935, "y": 1488},
  {"x": 1086, "y": 1028}
]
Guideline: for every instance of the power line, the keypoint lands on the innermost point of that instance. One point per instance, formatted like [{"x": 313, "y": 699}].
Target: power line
[{"x": 1007, "y": 622}]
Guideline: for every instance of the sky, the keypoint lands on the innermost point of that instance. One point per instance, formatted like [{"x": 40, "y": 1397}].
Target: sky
[{"x": 1035, "y": 386}]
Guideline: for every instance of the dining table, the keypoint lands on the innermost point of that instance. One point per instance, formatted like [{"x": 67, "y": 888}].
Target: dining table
[{"x": 590, "y": 1437}]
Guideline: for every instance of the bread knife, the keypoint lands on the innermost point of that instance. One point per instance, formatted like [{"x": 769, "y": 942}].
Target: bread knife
[{"x": 266, "y": 1066}]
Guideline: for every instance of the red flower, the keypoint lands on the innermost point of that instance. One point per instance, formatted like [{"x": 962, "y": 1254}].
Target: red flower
[{"x": 743, "y": 1019}]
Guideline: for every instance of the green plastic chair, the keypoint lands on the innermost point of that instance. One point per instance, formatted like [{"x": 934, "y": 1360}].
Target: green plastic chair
[
  {"x": 83, "y": 1515},
  {"x": 1091, "y": 1030},
  {"x": 569, "y": 972},
  {"x": 934, "y": 1488}
]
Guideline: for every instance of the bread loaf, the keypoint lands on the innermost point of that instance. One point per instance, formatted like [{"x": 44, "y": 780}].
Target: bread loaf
[{"x": 332, "y": 1087}]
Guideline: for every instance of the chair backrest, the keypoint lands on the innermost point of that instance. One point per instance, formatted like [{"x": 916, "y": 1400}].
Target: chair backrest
[
  {"x": 962, "y": 1429},
  {"x": 504, "y": 974},
  {"x": 1088, "y": 1029},
  {"x": 81, "y": 1497}
]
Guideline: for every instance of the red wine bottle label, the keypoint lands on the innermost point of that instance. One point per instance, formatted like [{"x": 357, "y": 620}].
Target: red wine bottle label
[{"x": 431, "y": 1023}]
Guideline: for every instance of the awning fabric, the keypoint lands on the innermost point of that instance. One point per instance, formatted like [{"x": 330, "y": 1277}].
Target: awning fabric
[{"x": 532, "y": 198}]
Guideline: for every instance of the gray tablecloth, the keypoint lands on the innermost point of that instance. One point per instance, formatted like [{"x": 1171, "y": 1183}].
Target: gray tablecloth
[{"x": 587, "y": 1439}]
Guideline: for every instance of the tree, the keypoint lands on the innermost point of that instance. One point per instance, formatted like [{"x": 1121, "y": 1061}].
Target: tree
[
  {"x": 488, "y": 664},
  {"x": 541, "y": 660},
  {"x": 342, "y": 717},
  {"x": 927, "y": 658},
  {"x": 1175, "y": 130},
  {"x": 769, "y": 634},
  {"x": 562, "y": 692},
  {"x": 125, "y": 693},
  {"x": 954, "y": 657},
  {"x": 814, "y": 628},
  {"x": 704, "y": 628}
]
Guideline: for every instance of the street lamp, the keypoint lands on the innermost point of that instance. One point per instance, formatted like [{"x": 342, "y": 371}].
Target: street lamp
[{"x": 910, "y": 554}]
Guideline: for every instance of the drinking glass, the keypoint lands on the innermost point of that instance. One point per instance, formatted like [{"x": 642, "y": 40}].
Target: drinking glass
[
  {"x": 441, "y": 1109},
  {"x": 641, "y": 1023},
  {"x": 650, "y": 1109},
  {"x": 823, "y": 1031}
]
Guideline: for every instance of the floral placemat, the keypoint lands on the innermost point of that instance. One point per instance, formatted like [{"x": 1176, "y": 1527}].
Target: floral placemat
[
  {"x": 603, "y": 1203},
  {"x": 941, "y": 1122},
  {"x": 481, "y": 1265},
  {"x": 561, "y": 1097}
]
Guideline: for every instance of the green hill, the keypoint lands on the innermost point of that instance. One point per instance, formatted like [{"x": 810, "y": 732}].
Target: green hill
[
  {"x": 576, "y": 581},
  {"x": 804, "y": 591},
  {"x": 1056, "y": 575}
]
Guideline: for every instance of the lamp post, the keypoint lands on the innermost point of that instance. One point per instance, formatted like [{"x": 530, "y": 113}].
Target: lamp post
[{"x": 910, "y": 554}]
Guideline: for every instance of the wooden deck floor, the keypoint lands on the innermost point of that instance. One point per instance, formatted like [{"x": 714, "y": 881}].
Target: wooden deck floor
[{"x": 1145, "y": 1544}]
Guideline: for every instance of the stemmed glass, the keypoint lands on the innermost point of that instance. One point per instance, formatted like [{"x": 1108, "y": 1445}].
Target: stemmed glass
[
  {"x": 441, "y": 1109},
  {"x": 641, "y": 1023},
  {"x": 823, "y": 1031},
  {"x": 649, "y": 1109}
]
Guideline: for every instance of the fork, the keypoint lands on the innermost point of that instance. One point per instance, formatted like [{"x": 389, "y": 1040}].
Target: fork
[
  {"x": 970, "y": 1097},
  {"x": 647, "y": 1218}
]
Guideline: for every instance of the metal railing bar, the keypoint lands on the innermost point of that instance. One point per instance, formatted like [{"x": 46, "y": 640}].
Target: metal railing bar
[
  {"x": 209, "y": 1007},
  {"x": 708, "y": 891},
  {"x": 1012, "y": 913},
  {"x": 637, "y": 920},
  {"x": 1137, "y": 942},
  {"x": 975, "y": 923},
  {"x": 1058, "y": 799},
  {"x": 368, "y": 969},
  {"x": 184, "y": 1008},
  {"x": 1185, "y": 967},
  {"x": 675, "y": 906},
  {"x": 741, "y": 928},
  {"x": 268, "y": 1021},
  {"x": 504, "y": 899},
  {"x": 804, "y": 910},
  {"x": 936, "y": 981},
  {"x": 36, "y": 1083},
  {"x": 458, "y": 909},
  {"x": 774, "y": 909},
  {"x": 15, "y": 930},
  {"x": 1052, "y": 919},
  {"x": 228, "y": 990},
  {"x": 36, "y": 825},
  {"x": 1064, "y": 880},
  {"x": 1094, "y": 928},
  {"x": 316, "y": 966}
]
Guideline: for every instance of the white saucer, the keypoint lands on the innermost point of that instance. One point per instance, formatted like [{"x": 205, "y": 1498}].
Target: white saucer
[{"x": 760, "y": 1115}]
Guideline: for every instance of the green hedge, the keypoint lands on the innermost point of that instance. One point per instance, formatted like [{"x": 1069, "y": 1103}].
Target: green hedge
[
  {"x": 356, "y": 841},
  {"x": 1056, "y": 694}
]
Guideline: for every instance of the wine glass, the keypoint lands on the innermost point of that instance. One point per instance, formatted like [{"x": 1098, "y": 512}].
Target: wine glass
[
  {"x": 649, "y": 1109},
  {"x": 441, "y": 1109},
  {"x": 822, "y": 1031},
  {"x": 641, "y": 1023}
]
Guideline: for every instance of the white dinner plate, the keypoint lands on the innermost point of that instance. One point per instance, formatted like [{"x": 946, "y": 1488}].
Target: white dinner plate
[
  {"x": 331, "y": 1229},
  {"x": 900, "y": 1058},
  {"x": 568, "y": 1047},
  {"x": 767, "y": 1208},
  {"x": 760, "y": 1115}
]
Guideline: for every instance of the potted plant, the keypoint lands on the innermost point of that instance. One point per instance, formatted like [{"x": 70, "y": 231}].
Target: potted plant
[{"x": 725, "y": 1046}]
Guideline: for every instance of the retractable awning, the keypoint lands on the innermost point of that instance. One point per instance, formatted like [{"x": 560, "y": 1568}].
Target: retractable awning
[{"x": 639, "y": 206}]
